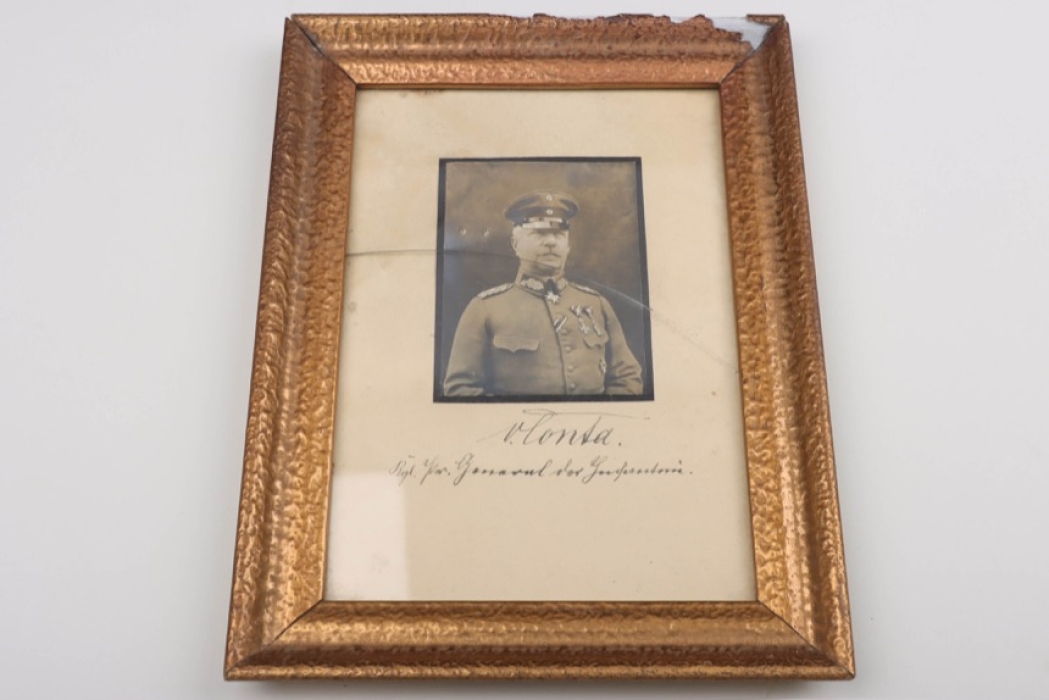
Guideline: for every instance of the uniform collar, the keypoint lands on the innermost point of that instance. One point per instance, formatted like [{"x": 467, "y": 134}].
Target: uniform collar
[{"x": 537, "y": 285}]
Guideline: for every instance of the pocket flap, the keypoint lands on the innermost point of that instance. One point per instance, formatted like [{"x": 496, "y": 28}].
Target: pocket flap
[
  {"x": 593, "y": 340},
  {"x": 515, "y": 343}
]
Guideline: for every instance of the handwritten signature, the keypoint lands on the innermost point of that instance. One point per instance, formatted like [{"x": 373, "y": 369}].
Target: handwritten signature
[{"x": 542, "y": 426}]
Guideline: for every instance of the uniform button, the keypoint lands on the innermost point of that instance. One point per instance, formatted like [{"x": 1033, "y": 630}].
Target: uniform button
[
  {"x": 568, "y": 348},
  {"x": 571, "y": 386},
  {"x": 571, "y": 367}
]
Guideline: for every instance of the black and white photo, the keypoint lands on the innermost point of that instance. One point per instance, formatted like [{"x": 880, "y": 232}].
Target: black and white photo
[{"x": 542, "y": 286}]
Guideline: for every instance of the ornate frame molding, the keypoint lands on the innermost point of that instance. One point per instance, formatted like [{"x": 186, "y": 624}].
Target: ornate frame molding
[{"x": 280, "y": 626}]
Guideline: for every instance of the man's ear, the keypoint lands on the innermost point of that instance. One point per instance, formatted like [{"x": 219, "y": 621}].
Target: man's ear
[{"x": 513, "y": 239}]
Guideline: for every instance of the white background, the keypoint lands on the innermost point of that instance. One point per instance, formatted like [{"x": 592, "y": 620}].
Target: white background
[{"x": 135, "y": 147}]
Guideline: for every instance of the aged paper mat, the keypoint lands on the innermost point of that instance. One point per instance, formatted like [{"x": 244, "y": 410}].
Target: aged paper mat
[{"x": 438, "y": 501}]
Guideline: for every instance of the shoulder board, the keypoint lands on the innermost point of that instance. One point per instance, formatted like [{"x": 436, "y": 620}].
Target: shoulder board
[
  {"x": 495, "y": 290},
  {"x": 588, "y": 290}
]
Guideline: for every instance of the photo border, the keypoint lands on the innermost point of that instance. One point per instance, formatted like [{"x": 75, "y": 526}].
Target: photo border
[
  {"x": 646, "y": 366},
  {"x": 280, "y": 626}
]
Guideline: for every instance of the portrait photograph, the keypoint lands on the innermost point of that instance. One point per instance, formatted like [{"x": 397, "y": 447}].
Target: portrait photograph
[{"x": 542, "y": 285}]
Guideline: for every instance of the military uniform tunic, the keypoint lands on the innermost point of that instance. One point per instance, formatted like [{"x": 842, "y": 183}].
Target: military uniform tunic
[{"x": 536, "y": 337}]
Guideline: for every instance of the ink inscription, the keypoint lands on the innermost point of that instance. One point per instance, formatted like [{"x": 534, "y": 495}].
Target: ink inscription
[{"x": 538, "y": 428}]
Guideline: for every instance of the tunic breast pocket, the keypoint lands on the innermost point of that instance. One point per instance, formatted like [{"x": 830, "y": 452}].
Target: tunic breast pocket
[
  {"x": 594, "y": 341},
  {"x": 515, "y": 343}
]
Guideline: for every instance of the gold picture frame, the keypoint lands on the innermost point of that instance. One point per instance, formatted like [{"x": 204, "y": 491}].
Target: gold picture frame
[{"x": 280, "y": 625}]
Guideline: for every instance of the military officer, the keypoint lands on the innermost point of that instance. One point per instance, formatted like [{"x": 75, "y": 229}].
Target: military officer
[{"x": 540, "y": 334}]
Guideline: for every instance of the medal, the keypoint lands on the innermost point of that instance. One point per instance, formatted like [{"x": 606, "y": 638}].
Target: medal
[
  {"x": 580, "y": 317},
  {"x": 590, "y": 314}
]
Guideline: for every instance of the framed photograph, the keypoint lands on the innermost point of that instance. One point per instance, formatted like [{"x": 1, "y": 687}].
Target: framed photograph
[{"x": 538, "y": 387}]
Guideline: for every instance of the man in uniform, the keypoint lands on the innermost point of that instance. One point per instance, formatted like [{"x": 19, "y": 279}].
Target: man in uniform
[{"x": 540, "y": 334}]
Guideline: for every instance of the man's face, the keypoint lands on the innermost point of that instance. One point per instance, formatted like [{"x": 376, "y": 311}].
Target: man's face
[{"x": 542, "y": 251}]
